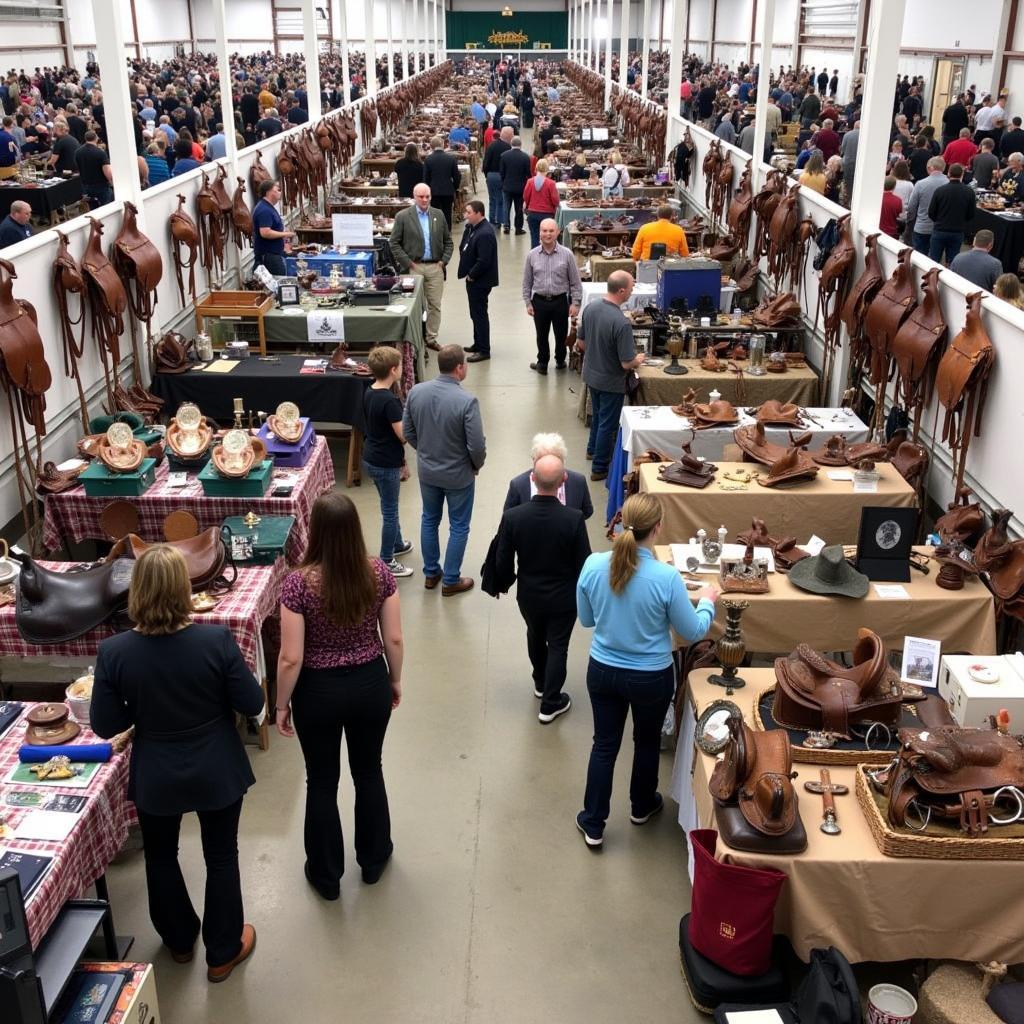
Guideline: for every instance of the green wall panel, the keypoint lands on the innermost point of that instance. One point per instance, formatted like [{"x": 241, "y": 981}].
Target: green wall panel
[{"x": 479, "y": 26}]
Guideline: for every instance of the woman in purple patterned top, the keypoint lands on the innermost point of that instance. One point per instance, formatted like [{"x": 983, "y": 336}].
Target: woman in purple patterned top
[{"x": 340, "y": 670}]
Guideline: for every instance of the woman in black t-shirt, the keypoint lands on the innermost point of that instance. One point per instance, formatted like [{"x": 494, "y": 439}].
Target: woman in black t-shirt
[{"x": 384, "y": 452}]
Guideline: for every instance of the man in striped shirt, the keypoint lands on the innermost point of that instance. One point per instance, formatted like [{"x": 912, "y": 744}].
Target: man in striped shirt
[{"x": 552, "y": 291}]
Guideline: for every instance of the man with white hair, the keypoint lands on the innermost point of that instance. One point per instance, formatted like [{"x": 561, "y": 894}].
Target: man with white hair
[
  {"x": 543, "y": 545},
  {"x": 573, "y": 493}
]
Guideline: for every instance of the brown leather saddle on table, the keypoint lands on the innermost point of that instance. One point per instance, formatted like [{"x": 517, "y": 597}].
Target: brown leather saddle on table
[
  {"x": 969, "y": 777},
  {"x": 206, "y": 556},
  {"x": 1003, "y": 562},
  {"x": 754, "y": 444},
  {"x": 138, "y": 263},
  {"x": 55, "y": 607},
  {"x": 774, "y": 413},
  {"x": 68, "y": 281},
  {"x": 714, "y": 414},
  {"x": 781, "y": 311},
  {"x": 108, "y": 302},
  {"x": 816, "y": 694},
  {"x": 688, "y": 471},
  {"x": 173, "y": 353},
  {"x": 51, "y": 480},
  {"x": 686, "y": 404},
  {"x": 961, "y": 384},
  {"x": 963, "y": 522},
  {"x": 838, "y": 453},
  {"x": 786, "y": 552},
  {"x": 855, "y": 308},
  {"x": 916, "y": 348},
  {"x": 833, "y": 285},
  {"x": 756, "y": 807},
  {"x": 184, "y": 235}
]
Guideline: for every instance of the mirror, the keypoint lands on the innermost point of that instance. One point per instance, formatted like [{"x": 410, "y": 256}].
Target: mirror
[{"x": 712, "y": 732}]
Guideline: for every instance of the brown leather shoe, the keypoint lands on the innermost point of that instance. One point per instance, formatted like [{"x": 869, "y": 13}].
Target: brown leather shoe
[
  {"x": 218, "y": 974},
  {"x": 465, "y": 583},
  {"x": 430, "y": 582},
  {"x": 182, "y": 958}
]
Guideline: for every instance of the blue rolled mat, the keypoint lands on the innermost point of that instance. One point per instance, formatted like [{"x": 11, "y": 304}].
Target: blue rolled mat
[{"x": 83, "y": 752}]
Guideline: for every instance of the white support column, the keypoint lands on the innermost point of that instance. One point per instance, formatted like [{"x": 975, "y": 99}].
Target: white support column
[
  {"x": 588, "y": 33},
  {"x": 443, "y": 41},
  {"x": 233, "y": 257},
  {"x": 407, "y": 37},
  {"x": 764, "y": 74},
  {"x": 371, "y": 49},
  {"x": 609, "y": 22},
  {"x": 568, "y": 41},
  {"x": 645, "y": 35},
  {"x": 876, "y": 115},
  {"x": 110, "y": 53},
  {"x": 623, "y": 42},
  {"x": 416, "y": 34},
  {"x": 675, "y": 64},
  {"x": 311, "y": 53},
  {"x": 391, "y": 47},
  {"x": 437, "y": 32},
  {"x": 794, "y": 57}
]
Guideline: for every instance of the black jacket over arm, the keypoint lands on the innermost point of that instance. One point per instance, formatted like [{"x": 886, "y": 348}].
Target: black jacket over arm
[
  {"x": 478, "y": 255},
  {"x": 550, "y": 543},
  {"x": 577, "y": 493},
  {"x": 441, "y": 172},
  {"x": 180, "y": 691}
]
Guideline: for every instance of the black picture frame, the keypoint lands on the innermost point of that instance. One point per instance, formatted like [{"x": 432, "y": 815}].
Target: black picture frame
[
  {"x": 884, "y": 542},
  {"x": 288, "y": 294}
]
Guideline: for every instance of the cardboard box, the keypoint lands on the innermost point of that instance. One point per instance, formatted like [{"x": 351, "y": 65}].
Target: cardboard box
[{"x": 970, "y": 702}]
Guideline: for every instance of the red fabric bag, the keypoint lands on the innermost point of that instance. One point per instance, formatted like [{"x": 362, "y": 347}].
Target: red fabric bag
[{"x": 732, "y": 909}]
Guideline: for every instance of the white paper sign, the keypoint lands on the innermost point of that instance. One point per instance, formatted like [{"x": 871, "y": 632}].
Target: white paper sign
[
  {"x": 753, "y": 1017},
  {"x": 921, "y": 659},
  {"x": 814, "y": 545},
  {"x": 839, "y": 474},
  {"x": 892, "y": 591},
  {"x": 865, "y": 486},
  {"x": 352, "y": 229},
  {"x": 325, "y": 326},
  {"x": 47, "y": 826}
]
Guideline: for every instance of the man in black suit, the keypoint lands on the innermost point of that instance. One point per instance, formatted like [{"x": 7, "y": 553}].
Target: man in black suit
[
  {"x": 492, "y": 174},
  {"x": 574, "y": 494},
  {"x": 478, "y": 264},
  {"x": 550, "y": 543},
  {"x": 441, "y": 172},
  {"x": 515, "y": 173}
]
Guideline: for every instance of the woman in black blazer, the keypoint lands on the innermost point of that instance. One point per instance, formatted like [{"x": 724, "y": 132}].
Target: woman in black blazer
[
  {"x": 409, "y": 170},
  {"x": 179, "y": 684}
]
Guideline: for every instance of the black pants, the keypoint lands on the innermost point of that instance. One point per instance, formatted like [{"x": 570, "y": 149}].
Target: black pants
[
  {"x": 547, "y": 642},
  {"x": 354, "y": 700},
  {"x": 478, "y": 296},
  {"x": 170, "y": 908},
  {"x": 444, "y": 204},
  {"x": 514, "y": 199},
  {"x": 274, "y": 262},
  {"x": 551, "y": 314}
]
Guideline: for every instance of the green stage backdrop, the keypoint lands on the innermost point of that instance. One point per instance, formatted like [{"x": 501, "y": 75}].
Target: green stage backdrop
[{"x": 490, "y": 31}]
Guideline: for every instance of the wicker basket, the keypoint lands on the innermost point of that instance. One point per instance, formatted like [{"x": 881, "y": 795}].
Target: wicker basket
[
  {"x": 824, "y": 756},
  {"x": 907, "y": 843}
]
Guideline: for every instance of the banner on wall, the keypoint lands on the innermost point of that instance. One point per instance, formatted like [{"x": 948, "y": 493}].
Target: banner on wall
[{"x": 489, "y": 30}]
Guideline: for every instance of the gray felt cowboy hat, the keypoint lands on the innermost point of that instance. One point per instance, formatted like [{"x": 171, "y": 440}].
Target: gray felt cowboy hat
[{"x": 829, "y": 573}]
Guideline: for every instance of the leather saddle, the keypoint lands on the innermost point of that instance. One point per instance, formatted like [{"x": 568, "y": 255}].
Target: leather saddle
[
  {"x": 241, "y": 216},
  {"x": 765, "y": 203},
  {"x": 68, "y": 281},
  {"x": 753, "y": 442},
  {"x": 917, "y": 344},
  {"x": 206, "y": 556},
  {"x": 184, "y": 235},
  {"x": 1003, "y": 561},
  {"x": 137, "y": 257},
  {"x": 212, "y": 225},
  {"x": 776, "y": 413},
  {"x": 756, "y": 806},
  {"x": 786, "y": 552},
  {"x": 258, "y": 174},
  {"x": 741, "y": 209},
  {"x": 954, "y": 774},
  {"x": 815, "y": 693},
  {"x": 688, "y": 471},
  {"x": 838, "y": 453},
  {"x": 173, "y": 353},
  {"x": 23, "y": 365},
  {"x": 796, "y": 464},
  {"x": 55, "y": 607},
  {"x": 894, "y": 302},
  {"x": 781, "y": 311},
  {"x": 963, "y": 521},
  {"x": 864, "y": 289}
]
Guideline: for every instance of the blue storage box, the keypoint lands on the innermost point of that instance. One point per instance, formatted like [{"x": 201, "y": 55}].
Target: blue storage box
[
  {"x": 294, "y": 456},
  {"x": 689, "y": 278},
  {"x": 346, "y": 264}
]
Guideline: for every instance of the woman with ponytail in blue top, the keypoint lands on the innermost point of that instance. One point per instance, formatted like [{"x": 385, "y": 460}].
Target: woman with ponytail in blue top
[{"x": 632, "y": 601}]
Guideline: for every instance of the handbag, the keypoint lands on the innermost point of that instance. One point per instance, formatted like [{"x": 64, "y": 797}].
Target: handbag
[{"x": 732, "y": 908}]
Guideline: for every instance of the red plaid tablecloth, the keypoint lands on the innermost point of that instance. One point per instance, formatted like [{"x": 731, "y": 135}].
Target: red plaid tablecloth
[
  {"x": 74, "y": 517},
  {"x": 243, "y": 609},
  {"x": 98, "y": 835}
]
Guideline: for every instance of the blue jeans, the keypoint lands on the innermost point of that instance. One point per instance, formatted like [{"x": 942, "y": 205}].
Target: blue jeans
[
  {"x": 922, "y": 243},
  {"x": 387, "y": 480},
  {"x": 604, "y": 422},
  {"x": 495, "y": 199},
  {"x": 613, "y": 693},
  {"x": 460, "y": 508},
  {"x": 533, "y": 222},
  {"x": 945, "y": 245}
]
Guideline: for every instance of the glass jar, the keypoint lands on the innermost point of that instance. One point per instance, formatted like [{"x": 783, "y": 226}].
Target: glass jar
[{"x": 757, "y": 348}]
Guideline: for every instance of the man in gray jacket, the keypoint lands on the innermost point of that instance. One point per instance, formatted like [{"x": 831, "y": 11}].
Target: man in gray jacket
[
  {"x": 920, "y": 199},
  {"x": 848, "y": 151},
  {"x": 442, "y": 422}
]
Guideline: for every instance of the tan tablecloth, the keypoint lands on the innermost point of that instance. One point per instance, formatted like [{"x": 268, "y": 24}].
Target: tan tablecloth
[
  {"x": 963, "y": 620},
  {"x": 842, "y": 891},
  {"x": 661, "y": 388},
  {"x": 828, "y": 508}
]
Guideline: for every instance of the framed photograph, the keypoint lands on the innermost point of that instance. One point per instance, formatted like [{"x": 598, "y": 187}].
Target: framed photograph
[
  {"x": 921, "y": 659},
  {"x": 288, "y": 294},
  {"x": 884, "y": 543}
]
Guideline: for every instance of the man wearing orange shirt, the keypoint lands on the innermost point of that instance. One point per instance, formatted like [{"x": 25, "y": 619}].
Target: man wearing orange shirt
[{"x": 661, "y": 230}]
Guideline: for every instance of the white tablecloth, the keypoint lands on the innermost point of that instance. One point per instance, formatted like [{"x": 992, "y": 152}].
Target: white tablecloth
[
  {"x": 657, "y": 426},
  {"x": 643, "y": 294}
]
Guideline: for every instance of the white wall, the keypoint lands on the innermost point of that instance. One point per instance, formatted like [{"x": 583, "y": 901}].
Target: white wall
[{"x": 951, "y": 24}]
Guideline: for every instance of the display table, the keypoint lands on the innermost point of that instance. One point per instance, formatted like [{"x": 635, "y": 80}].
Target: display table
[
  {"x": 1009, "y": 231},
  {"x": 643, "y": 294},
  {"x": 566, "y": 215},
  {"x": 842, "y": 891},
  {"x": 46, "y": 200},
  {"x": 96, "y": 839},
  {"x": 330, "y": 397},
  {"x": 828, "y": 508},
  {"x": 323, "y": 264},
  {"x": 73, "y": 516},
  {"x": 963, "y": 621},
  {"x": 661, "y": 388},
  {"x": 601, "y": 268}
]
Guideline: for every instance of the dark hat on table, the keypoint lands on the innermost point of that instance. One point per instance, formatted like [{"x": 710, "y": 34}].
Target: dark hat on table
[{"x": 829, "y": 573}]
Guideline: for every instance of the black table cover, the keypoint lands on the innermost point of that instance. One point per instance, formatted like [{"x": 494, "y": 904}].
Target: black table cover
[
  {"x": 1009, "y": 244},
  {"x": 44, "y": 199}
]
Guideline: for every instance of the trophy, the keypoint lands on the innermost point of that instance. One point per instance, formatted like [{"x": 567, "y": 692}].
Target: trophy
[
  {"x": 675, "y": 343},
  {"x": 730, "y": 648}
]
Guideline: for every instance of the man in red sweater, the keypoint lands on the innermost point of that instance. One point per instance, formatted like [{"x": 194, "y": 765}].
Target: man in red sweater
[
  {"x": 827, "y": 140},
  {"x": 892, "y": 209},
  {"x": 961, "y": 151}
]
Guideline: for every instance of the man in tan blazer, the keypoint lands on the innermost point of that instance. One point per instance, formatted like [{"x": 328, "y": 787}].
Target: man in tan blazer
[{"x": 422, "y": 244}]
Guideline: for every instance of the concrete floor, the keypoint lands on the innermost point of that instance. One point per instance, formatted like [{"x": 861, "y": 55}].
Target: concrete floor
[{"x": 493, "y": 910}]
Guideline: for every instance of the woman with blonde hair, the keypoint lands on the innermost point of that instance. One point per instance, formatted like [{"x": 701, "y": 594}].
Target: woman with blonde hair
[
  {"x": 813, "y": 176},
  {"x": 1009, "y": 289},
  {"x": 340, "y": 671},
  {"x": 632, "y": 601},
  {"x": 615, "y": 177},
  {"x": 180, "y": 684},
  {"x": 579, "y": 170}
]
